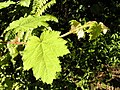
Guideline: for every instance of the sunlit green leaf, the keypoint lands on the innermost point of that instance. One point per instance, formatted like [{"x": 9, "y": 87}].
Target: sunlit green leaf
[
  {"x": 30, "y": 22},
  {"x": 41, "y": 54},
  {"x": 25, "y": 3}
]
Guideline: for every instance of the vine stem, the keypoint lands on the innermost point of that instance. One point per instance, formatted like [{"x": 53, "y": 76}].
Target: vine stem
[
  {"x": 73, "y": 30},
  {"x": 63, "y": 35},
  {"x": 70, "y": 32}
]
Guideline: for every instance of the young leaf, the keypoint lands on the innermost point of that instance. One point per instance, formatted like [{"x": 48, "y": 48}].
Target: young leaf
[
  {"x": 25, "y": 3},
  {"x": 94, "y": 30},
  {"x": 74, "y": 23},
  {"x": 6, "y": 4},
  {"x": 104, "y": 28},
  {"x": 41, "y": 54},
  {"x": 80, "y": 34}
]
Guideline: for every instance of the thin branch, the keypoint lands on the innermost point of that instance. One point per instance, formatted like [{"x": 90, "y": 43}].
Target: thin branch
[
  {"x": 70, "y": 32},
  {"x": 63, "y": 35}
]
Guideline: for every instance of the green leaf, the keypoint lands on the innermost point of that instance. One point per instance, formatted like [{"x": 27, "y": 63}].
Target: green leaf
[
  {"x": 48, "y": 18},
  {"x": 13, "y": 50},
  {"x": 24, "y": 24},
  {"x": 25, "y": 3},
  {"x": 94, "y": 30},
  {"x": 39, "y": 6},
  {"x": 4, "y": 60},
  {"x": 74, "y": 23},
  {"x": 6, "y": 4},
  {"x": 27, "y": 24},
  {"x": 48, "y": 5},
  {"x": 30, "y": 22},
  {"x": 41, "y": 54},
  {"x": 75, "y": 26}
]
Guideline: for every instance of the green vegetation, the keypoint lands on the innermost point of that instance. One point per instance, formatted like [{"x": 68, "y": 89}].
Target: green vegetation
[{"x": 59, "y": 45}]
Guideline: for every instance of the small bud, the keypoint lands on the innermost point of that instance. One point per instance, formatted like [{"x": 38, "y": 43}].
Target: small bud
[
  {"x": 105, "y": 31},
  {"x": 80, "y": 34}
]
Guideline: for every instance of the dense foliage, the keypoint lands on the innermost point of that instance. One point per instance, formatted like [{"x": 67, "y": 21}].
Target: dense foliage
[{"x": 34, "y": 55}]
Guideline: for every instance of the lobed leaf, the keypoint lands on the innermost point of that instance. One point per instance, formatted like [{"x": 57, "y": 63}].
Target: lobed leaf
[
  {"x": 30, "y": 22},
  {"x": 94, "y": 30},
  {"x": 41, "y": 54}
]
